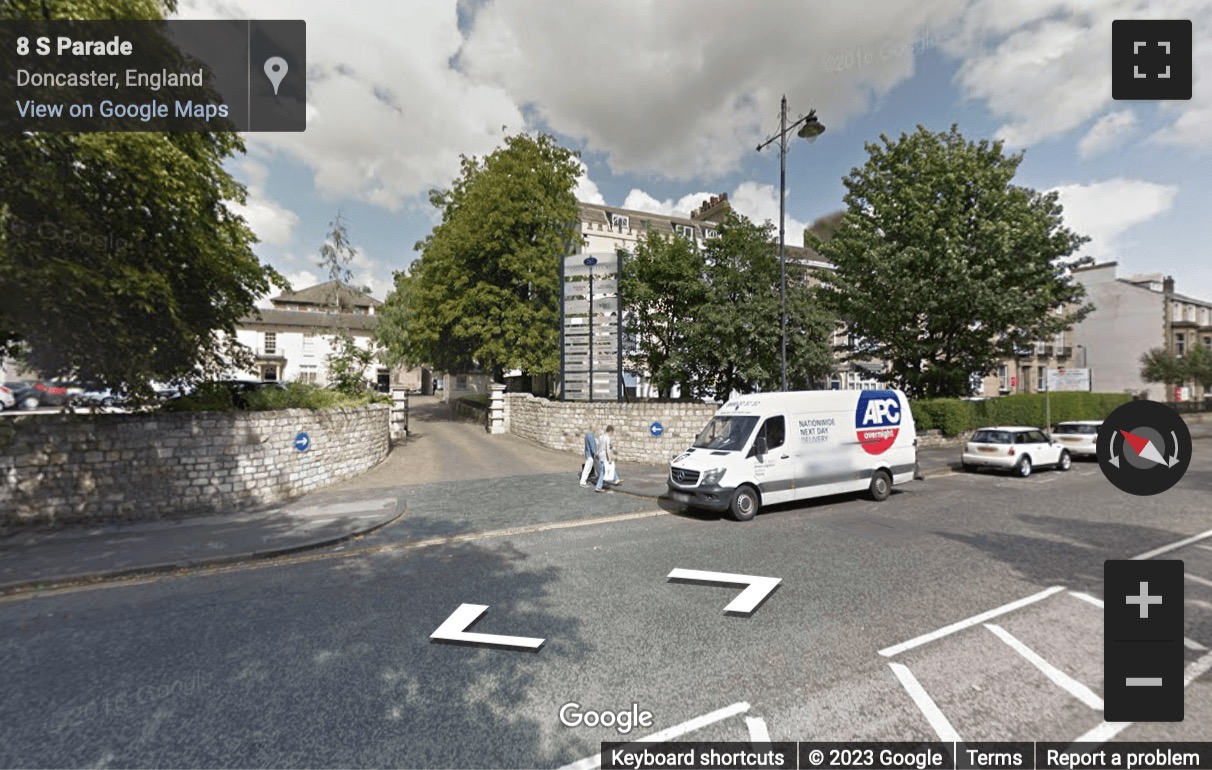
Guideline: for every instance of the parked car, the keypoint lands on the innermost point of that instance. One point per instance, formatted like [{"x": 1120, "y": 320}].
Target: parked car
[
  {"x": 1018, "y": 448},
  {"x": 7, "y": 399},
  {"x": 31, "y": 395},
  {"x": 102, "y": 397},
  {"x": 1080, "y": 437}
]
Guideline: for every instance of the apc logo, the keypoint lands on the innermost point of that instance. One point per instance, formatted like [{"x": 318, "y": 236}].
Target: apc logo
[{"x": 877, "y": 421}]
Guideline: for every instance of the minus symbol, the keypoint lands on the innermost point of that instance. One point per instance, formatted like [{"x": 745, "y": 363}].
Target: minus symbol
[{"x": 1144, "y": 681}]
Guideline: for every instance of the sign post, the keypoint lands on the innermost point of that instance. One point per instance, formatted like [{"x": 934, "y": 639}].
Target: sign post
[{"x": 591, "y": 323}]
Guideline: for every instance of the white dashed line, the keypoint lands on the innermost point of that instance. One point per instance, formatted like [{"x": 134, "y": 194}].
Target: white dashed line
[
  {"x": 1108, "y": 730},
  {"x": 757, "y": 730},
  {"x": 1199, "y": 580},
  {"x": 1058, "y": 677},
  {"x": 896, "y": 649},
  {"x": 1173, "y": 546},
  {"x": 589, "y": 763},
  {"x": 925, "y": 704}
]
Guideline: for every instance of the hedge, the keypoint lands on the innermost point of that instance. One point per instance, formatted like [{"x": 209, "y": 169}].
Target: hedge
[{"x": 953, "y": 416}]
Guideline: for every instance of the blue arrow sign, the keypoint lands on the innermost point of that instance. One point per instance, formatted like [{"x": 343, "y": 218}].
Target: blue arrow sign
[
  {"x": 656, "y": 429},
  {"x": 591, "y": 261},
  {"x": 302, "y": 442}
]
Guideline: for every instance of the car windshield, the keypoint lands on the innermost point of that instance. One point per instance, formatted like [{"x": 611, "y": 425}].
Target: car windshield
[
  {"x": 1085, "y": 430},
  {"x": 727, "y": 434},
  {"x": 993, "y": 437}
]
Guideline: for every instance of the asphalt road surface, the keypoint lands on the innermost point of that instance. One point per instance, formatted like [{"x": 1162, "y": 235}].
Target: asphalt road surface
[{"x": 965, "y": 607}]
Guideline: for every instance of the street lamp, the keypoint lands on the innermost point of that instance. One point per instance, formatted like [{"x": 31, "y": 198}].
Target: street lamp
[{"x": 809, "y": 128}]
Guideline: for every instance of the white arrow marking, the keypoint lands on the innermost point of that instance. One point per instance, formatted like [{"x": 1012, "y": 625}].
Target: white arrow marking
[
  {"x": 1174, "y": 458},
  {"x": 454, "y": 630},
  {"x": 759, "y": 588}
]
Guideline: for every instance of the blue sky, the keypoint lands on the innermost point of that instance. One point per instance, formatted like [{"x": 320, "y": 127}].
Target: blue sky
[{"x": 667, "y": 99}]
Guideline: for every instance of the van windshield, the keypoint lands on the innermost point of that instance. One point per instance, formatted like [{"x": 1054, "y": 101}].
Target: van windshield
[{"x": 727, "y": 434}]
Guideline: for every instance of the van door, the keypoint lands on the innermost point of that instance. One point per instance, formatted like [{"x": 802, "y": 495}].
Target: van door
[{"x": 774, "y": 470}]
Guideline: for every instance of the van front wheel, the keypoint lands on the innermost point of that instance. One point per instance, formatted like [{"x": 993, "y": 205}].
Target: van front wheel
[
  {"x": 745, "y": 503},
  {"x": 881, "y": 485}
]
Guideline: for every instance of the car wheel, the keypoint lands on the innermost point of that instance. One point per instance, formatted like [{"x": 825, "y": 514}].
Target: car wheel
[
  {"x": 1023, "y": 469},
  {"x": 968, "y": 467},
  {"x": 30, "y": 402},
  {"x": 881, "y": 486},
  {"x": 745, "y": 503},
  {"x": 1066, "y": 462}
]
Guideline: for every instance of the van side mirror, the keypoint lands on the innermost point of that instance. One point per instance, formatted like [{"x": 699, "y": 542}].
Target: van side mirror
[{"x": 759, "y": 447}]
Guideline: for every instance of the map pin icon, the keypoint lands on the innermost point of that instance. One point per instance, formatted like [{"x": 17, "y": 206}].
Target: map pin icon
[{"x": 275, "y": 70}]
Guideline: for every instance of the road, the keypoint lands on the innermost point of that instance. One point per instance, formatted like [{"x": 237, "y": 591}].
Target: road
[{"x": 324, "y": 659}]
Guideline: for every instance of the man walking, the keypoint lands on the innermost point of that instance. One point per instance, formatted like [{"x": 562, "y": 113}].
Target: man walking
[
  {"x": 606, "y": 460},
  {"x": 591, "y": 455}
]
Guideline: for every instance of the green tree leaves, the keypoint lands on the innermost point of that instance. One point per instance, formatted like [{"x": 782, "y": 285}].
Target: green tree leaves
[
  {"x": 943, "y": 266},
  {"x": 485, "y": 290},
  {"x": 1161, "y": 365}
]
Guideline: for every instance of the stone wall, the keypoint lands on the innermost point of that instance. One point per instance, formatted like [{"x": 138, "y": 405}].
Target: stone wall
[
  {"x": 562, "y": 424},
  {"x": 64, "y": 469}
]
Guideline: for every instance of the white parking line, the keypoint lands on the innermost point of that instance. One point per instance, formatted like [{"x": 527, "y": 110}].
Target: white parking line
[
  {"x": 1190, "y": 644},
  {"x": 1058, "y": 677},
  {"x": 925, "y": 704},
  {"x": 757, "y": 730},
  {"x": 896, "y": 649},
  {"x": 1201, "y": 581},
  {"x": 589, "y": 763},
  {"x": 1108, "y": 730},
  {"x": 1173, "y": 546},
  {"x": 1205, "y": 547}
]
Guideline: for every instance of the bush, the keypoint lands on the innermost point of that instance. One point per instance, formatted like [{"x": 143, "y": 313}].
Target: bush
[
  {"x": 211, "y": 396},
  {"x": 954, "y": 416}
]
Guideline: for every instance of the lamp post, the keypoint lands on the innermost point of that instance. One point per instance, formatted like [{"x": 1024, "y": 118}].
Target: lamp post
[{"x": 809, "y": 128}]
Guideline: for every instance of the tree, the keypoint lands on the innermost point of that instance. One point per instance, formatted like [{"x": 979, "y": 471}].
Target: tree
[
  {"x": 1161, "y": 365},
  {"x": 735, "y": 344},
  {"x": 664, "y": 287},
  {"x": 121, "y": 260},
  {"x": 486, "y": 289},
  {"x": 1198, "y": 365},
  {"x": 348, "y": 361},
  {"x": 944, "y": 268}
]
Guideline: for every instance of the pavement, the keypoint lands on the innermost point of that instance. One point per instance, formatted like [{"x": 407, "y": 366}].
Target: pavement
[{"x": 43, "y": 559}]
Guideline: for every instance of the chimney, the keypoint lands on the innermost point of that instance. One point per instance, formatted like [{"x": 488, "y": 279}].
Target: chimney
[{"x": 1168, "y": 285}]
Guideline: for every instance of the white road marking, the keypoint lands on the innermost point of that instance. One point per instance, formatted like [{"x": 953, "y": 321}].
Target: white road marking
[
  {"x": 1199, "y": 580},
  {"x": 757, "y": 730},
  {"x": 589, "y": 763},
  {"x": 1205, "y": 547},
  {"x": 896, "y": 649},
  {"x": 925, "y": 704},
  {"x": 1108, "y": 730},
  {"x": 1173, "y": 546},
  {"x": 1058, "y": 677},
  {"x": 1190, "y": 644}
]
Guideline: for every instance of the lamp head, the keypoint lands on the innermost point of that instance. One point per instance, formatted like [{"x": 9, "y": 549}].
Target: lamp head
[{"x": 812, "y": 127}]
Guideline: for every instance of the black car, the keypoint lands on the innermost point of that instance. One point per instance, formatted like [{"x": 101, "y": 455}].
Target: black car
[{"x": 31, "y": 395}]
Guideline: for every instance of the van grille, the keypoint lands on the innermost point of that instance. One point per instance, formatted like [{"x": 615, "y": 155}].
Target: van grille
[{"x": 684, "y": 477}]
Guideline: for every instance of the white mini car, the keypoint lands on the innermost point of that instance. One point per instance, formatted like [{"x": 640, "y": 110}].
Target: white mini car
[
  {"x": 1080, "y": 437},
  {"x": 1016, "y": 448}
]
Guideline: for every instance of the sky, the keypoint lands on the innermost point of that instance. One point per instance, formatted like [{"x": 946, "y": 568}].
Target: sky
[{"x": 666, "y": 101}]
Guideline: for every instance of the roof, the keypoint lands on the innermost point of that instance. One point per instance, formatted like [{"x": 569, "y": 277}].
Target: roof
[
  {"x": 305, "y": 319},
  {"x": 798, "y": 401},
  {"x": 327, "y": 294},
  {"x": 1080, "y": 422},
  {"x": 1192, "y": 300},
  {"x": 597, "y": 213}
]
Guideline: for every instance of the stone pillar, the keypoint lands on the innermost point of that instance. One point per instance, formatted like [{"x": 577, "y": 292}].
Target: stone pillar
[
  {"x": 496, "y": 409},
  {"x": 399, "y": 415}
]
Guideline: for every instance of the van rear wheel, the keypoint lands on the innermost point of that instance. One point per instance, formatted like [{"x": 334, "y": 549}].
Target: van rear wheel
[
  {"x": 881, "y": 485},
  {"x": 745, "y": 503}
]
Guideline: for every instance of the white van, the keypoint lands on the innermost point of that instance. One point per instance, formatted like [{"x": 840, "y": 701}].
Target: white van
[{"x": 776, "y": 447}]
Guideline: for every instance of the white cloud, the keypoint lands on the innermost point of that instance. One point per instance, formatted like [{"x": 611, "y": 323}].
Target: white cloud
[
  {"x": 1043, "y": 65},
  {"x": 641, "y": 201},
  {"x": 271, "y": 222},
  {"x": 586, "y": 190},
  {"x": 686, "y": 89},
  {"x": 387, "y": 114},
  {"x": 758, "y": 202},
  {"x": 1108, "y": 132},
  {"x": 1106, "y": 210}
]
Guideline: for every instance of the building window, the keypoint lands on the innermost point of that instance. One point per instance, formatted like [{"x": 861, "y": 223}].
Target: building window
[
  {"x": 1003, "y": 377},
  {"x": 307, "y": 374},
  {"x": 1208, "y": 342},
  {"x": 271, "y": 343},
  {"x": 1041, "y": 378},
  {"x": 686, "y": 231},
  {"x": 620, "y": 222},
  {"x": 309, "y": 343},
  {"x": 709, "y": 232},
  {"x": 269, "y": 373},
  {"x": 1180, "y": 344}
]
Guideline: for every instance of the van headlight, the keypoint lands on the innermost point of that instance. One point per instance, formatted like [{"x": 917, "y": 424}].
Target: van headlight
[{"x": 713, "y": 476}]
